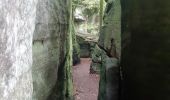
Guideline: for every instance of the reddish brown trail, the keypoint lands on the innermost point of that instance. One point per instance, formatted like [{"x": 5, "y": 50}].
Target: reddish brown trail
[{"x": 85, "y": 84}]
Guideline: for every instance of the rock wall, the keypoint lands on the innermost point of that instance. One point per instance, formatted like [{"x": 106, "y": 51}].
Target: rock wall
[
  {"x": 145, "y": 53},
  {"x": 44, "y": 30},
  {"x": 85, "y": 46},
  {"x": 63, "y": 89},
  {"x": 17, "y": 23},
  {"x": 76, "y": 46},
  {"x": 50, "y": 47},
  {"x": 109, "y": 52}
]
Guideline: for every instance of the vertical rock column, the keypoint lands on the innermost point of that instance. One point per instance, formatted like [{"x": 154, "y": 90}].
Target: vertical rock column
[
  {"x": 146, "y": 49},
  {"x": 17, "y": 23},
  {"x": 63, "y": 89},
  {"x": 51, "y": 49},
  {"x": 76, "y": 46},
  {"x": 109, "y": 43}
]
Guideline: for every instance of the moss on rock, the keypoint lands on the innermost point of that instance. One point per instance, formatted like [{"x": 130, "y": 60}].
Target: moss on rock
[{"x": 109, "y": 43}]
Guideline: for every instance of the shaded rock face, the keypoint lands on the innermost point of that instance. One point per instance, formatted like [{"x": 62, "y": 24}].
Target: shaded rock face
[
  {"x": 76, "y": 47},
  {"x": 86, "y": 46},
  {"x": 41, "y": 29},
  {"x": 110, "y": 33},
  {"x": 76, "y": 54},
  {"x": 145, "y": 53},
  {"x": 17, "y": 23},
  {"x": 109, "y": 45},
  {"x": 49, "y": 46},
  {"x": 96, "y": 60}
]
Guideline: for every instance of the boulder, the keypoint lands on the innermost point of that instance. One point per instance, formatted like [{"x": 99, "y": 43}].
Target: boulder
[
  {"x": 17, "y": 23},
  {"x": 145, "y": 49}
]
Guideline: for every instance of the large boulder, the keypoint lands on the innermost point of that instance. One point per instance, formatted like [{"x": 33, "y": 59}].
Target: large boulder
[
  {"x": 109, "y": 43},
  {"x": 145, "y": 49},
  {"x": 17, "y": 23},
  {"x": 86, "y": 43},
  {"x": 49, "y": 48},
  {"x": 96, "y": 60}
]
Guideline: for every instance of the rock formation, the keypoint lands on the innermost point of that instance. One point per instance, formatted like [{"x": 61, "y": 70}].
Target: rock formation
[
  {"x": 49, "y": 45},
  {"x": 107, "y": 56},
  {"x": 17, "y": 22},
  {"x": 38, "y": 30},
  {"x": 145, "y": 49},
  {"x": 38, "y": 45}
]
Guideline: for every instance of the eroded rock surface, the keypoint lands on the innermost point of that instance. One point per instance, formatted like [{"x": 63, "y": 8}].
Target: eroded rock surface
[
  {"x": 86, "y": 43},
  {"x": 17, "y": 23},
  {"x": 106, "y": 55},
  {"x": 49, "y": 46}
]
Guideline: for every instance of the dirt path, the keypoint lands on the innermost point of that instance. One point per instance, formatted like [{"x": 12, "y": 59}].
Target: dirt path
[{"x": 85, "y": 84}]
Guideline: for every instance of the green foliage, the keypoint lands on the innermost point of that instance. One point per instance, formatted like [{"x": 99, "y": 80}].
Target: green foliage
[{"x": 91, "y": 6}]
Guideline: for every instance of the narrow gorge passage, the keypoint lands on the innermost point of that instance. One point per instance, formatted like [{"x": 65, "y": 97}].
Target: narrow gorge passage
[{"x": 85, "y": 84}]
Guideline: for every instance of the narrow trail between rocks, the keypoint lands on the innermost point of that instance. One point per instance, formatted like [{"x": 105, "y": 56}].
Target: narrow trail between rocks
[{"x": 86, "y": 85}]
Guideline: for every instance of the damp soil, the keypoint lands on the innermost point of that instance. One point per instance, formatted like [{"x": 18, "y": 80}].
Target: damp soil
[{"x": 86, "y": 85}]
